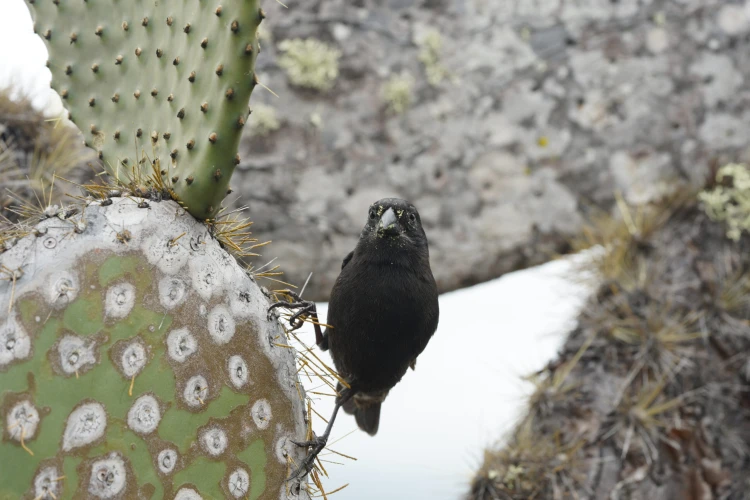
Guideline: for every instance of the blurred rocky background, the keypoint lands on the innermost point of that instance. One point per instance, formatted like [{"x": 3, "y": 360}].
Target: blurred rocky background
[{"x": 505, "y": 121}]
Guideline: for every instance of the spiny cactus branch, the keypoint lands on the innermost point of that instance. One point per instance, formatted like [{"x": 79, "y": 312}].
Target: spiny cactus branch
[{"x": 148, "y": 80}]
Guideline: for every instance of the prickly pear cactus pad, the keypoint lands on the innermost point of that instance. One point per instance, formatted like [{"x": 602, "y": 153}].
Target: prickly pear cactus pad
[
  {"x": 137, "y": 361},
  {"x": 147, "y": 79}
]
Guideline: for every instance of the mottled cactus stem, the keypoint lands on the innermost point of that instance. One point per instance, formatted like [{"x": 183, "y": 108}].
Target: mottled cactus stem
[
  {"x": 147, "y": 79},
  {"x": 137, "y": 361}
]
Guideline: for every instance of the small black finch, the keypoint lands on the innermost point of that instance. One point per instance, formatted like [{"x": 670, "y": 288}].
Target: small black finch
[
  {"x": 382, "y": 312},
  {"x": 383, "y": 307}
]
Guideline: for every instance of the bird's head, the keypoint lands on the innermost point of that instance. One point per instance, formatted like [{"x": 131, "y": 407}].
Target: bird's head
[{"x": 393, "y": 226}]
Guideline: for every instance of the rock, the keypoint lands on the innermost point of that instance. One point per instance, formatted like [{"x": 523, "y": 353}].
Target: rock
[
  {"x": 641, "y": 178},
  {"x": 733, "y": 19},
  {"x": 533, "y": 111},
  {"x": 657, "y": 40},
  {"x": 720, "y": 80},
  {"x": 725, "y": 131}
]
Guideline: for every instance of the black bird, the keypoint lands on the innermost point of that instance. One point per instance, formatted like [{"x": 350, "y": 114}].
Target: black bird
[{"x": 382, "y": 312}]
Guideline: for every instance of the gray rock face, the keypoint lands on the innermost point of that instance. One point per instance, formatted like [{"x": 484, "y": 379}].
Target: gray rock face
[{"x": 532, "y": 112}]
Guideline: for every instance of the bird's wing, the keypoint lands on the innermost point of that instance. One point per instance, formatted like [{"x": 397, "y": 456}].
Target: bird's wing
[{"x": 347, "y": 259}]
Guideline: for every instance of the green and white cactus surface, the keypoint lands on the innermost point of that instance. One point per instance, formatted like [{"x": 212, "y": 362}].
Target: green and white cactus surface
[{"x": 137, "y": 361}]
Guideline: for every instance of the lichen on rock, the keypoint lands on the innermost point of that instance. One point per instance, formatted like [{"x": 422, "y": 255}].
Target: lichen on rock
[{"x": 309, "y": 63}]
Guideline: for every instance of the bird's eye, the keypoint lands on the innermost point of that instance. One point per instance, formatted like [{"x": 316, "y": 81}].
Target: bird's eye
[
  {"x": 373, "y": 215},
  {"x": 412, "y": 217}
]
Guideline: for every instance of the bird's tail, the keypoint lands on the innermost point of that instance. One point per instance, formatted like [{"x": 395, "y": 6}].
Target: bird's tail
[
  {"x": 368, "y": 418},
  {"x": 366, "y": 410}
]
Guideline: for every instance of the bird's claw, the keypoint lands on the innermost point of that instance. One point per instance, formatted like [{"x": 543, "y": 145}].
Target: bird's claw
[
  {"x": 303, "y": 307},
  {"x": 317, "y": 444}
]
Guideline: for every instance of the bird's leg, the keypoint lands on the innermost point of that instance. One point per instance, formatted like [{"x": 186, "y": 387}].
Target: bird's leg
[
  {"x": 304, "y": 307},
  {"x": 319, "y": 442}
]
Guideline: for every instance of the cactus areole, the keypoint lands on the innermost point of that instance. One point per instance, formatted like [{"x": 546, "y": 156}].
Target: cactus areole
[
  {"x": 149, "y": 80},
  {"x": 137, "y": 361}
]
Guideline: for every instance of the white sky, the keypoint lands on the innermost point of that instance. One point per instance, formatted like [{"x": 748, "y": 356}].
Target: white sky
[
  {"x": 466, "y": 392},
  {"x": 23, "y": 57}
]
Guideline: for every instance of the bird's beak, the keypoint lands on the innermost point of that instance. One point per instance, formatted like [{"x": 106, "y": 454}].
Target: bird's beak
[{"x": 389, "y": 223}]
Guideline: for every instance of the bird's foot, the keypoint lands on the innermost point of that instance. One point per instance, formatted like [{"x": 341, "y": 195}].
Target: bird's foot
[
  {"x": 317, "y": 444},
  {"x": 302, "y": 307},
  {"x": 317, "y": 441}
]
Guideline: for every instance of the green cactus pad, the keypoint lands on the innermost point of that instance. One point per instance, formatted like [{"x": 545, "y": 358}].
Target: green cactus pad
[
  {"x": 137, "y": 361},
  {"x": 146, "y": 80}
]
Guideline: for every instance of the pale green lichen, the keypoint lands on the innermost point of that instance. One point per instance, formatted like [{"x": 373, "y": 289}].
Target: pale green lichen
[
  {"x": 430, "y": 54},
  {"x": 730, "y": 203},
  {"x": 310, "y": 63},
  {"x": 398, "y": 92},
  {"x": 316, "y": 120},
  {"x": 514, "y": 473},
  {"x": 263, "y": 121}
]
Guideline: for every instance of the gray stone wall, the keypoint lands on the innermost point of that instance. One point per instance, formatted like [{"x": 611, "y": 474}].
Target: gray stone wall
[{"x": 545, "y": 109}]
